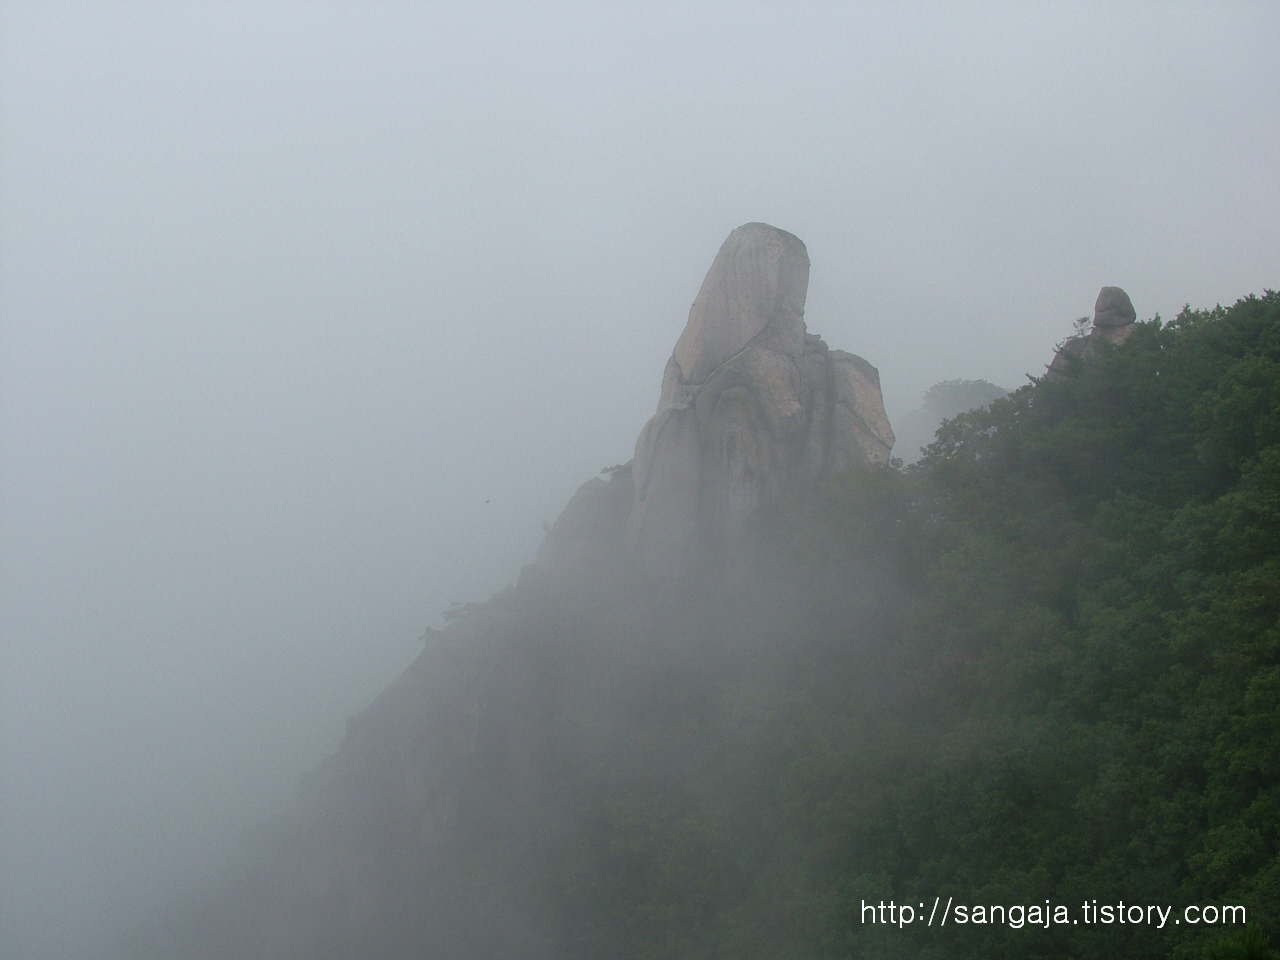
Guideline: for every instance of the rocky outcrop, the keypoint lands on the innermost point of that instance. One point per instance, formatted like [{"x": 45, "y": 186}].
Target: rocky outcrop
[
  {"x": 751, "y": 403},
  {"x": 585, "y": 543},
  {"x": 427, "y": 832},
  {"x": 1113, "y": 322},
  {"x": 1113, "y": 310}
]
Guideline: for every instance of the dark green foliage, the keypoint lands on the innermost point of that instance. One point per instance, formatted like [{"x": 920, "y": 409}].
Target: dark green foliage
[
  {"x": 1042, "y": 664},
  {"x": 1249, "y": 944},
  {"x": 1104, "y": 579},
  {"x": 941, "y": 402}
]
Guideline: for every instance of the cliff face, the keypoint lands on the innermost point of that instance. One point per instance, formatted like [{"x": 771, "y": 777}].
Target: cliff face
[{"x": 751, "y": 403}]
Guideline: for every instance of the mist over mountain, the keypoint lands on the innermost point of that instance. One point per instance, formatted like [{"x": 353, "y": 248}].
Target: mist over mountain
[
  {"x": 472, "y": 759},
  {"x": 763, "y": 676},
  {"x": 314, "y": 317}
]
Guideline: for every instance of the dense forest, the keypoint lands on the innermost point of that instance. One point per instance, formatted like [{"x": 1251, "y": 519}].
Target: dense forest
[
  {"x": 1038, "y": 668},
  {"x": 1041, "y": 665},
  {"x": 1078, "y": 679}
]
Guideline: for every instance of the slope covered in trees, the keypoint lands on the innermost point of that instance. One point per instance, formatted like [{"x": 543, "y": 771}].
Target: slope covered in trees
[
  {"x": 943, "y": 401},
  {"x": 1044, "y": 664},
  {"x": 1041, "y": 665},
  {"x": 1089, "y": 629}
]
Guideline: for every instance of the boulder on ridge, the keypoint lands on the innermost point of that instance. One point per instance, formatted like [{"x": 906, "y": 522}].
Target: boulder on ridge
[{"x": 1113, "y": 321}]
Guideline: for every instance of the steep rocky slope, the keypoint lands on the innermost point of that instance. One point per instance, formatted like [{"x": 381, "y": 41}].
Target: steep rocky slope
[
  {"x": 427, "y": 832},
  {"x": 751, "y": 403}
]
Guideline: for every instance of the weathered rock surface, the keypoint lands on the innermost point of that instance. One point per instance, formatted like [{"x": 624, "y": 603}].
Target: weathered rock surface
[
  {"x": 1113, "y": 308},
  {"x": 1113, "y": 322},
  {"x": 751, "y": 403}
]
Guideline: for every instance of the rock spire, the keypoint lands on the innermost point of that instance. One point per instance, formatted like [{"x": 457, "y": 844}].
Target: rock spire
[{"x": 751, "y": 403}]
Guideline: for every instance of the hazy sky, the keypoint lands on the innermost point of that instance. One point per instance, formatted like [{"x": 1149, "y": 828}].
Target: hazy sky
[{"x": 314, "y": 314}]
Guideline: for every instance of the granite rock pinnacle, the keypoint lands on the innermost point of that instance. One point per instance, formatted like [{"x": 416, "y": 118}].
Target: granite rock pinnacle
[{"x": 751, "y": 404}]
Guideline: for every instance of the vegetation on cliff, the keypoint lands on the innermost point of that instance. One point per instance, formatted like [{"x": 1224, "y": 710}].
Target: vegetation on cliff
[
  {"x": 1095, "y": 620},
  {"x": 1040, "y": 665}
]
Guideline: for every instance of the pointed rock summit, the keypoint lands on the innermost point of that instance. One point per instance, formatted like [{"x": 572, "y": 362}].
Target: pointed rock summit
[
  {"x": 427, "y": 831},
  {"x": 759, "y": 280},
  {"x": 751, "y": 404}
]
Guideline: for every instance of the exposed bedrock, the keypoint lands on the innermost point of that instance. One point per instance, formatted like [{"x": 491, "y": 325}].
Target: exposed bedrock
[
  {"x": 1113, "y": 322},
  {"x": 751, "y": 403}
]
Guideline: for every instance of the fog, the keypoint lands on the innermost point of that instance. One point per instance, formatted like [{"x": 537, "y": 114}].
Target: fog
[{"x": 314, "y": 315}]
